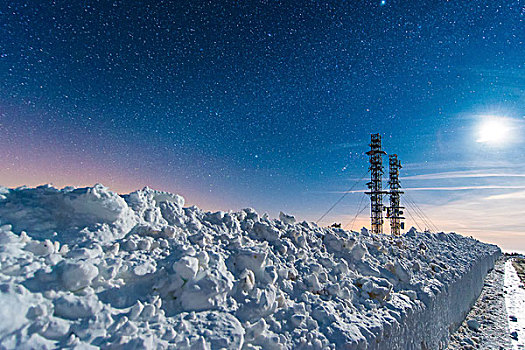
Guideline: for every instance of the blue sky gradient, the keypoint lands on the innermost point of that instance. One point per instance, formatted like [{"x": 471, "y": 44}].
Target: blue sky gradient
[{"x": 270, "y": 104}]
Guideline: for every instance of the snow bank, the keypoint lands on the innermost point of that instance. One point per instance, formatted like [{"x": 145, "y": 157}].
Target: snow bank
[{"x": 87, "y": 267}]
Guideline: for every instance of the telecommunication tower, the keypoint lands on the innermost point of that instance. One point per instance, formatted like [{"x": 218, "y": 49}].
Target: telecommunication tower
[
  {"x": 375, "y": 185},
  {"x": 394, "y": 212}
]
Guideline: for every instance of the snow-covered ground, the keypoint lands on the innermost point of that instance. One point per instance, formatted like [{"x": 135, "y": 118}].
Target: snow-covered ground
[
  {"x": 86, "y": 268},
  {"x": 515, "y": 301},
  {"x": 486, "y": 326}
]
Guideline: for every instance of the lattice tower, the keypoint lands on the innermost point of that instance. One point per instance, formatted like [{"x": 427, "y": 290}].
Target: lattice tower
[
  {"x": 394, "y": 212},
  {"x": 375, "y": 185}
]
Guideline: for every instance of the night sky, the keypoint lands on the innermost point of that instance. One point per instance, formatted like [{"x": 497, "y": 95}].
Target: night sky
[{"x": 270, "y": 104}]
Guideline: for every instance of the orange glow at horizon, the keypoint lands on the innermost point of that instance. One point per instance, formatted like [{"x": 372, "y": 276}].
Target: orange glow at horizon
[{"x": 84, "y": 174}]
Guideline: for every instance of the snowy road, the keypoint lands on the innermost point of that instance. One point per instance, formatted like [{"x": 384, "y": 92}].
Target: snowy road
[
  {"x": 486, "y": 325},
  {"x": 497, "y": 319},
  {"x": 515, "y": 302}
]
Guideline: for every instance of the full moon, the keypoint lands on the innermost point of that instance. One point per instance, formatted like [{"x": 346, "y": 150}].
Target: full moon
[{"x": 494, "y": 130}]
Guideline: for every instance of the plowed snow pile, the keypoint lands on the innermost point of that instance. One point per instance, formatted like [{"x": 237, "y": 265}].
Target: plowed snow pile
[{"x": 89, "y": 268}]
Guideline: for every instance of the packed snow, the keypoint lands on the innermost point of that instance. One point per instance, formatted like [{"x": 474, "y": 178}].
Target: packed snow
[
  {"x": 486, "y": 325},
  {"x": 515, "y": 301},
  {"x": 88, "y": 268}
]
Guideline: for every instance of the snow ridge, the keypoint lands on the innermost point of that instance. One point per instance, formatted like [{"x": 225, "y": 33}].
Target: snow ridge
[{"x": 89, "y": 268}]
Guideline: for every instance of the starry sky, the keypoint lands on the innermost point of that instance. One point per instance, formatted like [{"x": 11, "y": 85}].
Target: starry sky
[{"x": 270, "y": 104}]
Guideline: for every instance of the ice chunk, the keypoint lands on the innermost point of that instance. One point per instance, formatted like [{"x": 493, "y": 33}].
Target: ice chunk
[
  {"x": 136, "y": 310},
  {"x": 73, "y": 307},
  {"x": 187, "y": 267},
  {"x": 266, "y": 231},
  {"x": 400, "y": 271},
  {"x": 220, "y": 330},
  {"x": 375, "y": 288},
  {"x": 215, "y": 218},
  {"x": 36, "y": 311},
  {"x": 200, "y": 238},
  {"x": 97, "y": 203},
  {"x": 200, "y": 344},
  {"x": 40, "y": 248},
  {"x": 359, "y": 251},
  {"x": 247, "y": 280},
  {"x": 260, "y": 304},
  {"x": 335, "y": 243},
  {"x": 148, "y": 311},
  {"x": 210, "y": 290},
  {"x": 286, "y": 219},
  {"x": 144, "y": 244},
  {"x": 203, "y": 258},
  {"x": 171, "y": 212},
  {"x": 253, "y": 258},
  {"x": 56, "y": 329},
  {"x": 78, "y": 275},
  {"x": 313, "y": 282},
  {"x": 155, "y": 208},
  {"x": 144, "y": 268},
  {"x": 13, "y": 308},
  {"x": 256, "y": 329}
]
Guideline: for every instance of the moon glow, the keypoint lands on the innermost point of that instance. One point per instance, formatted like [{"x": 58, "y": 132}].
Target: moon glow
[{"x": 494, "y": 131}]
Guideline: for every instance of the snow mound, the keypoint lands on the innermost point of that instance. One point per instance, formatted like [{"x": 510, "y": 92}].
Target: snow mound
[
  {"x": 94, "y": 212},
  {"x": 87, "y": 267}
]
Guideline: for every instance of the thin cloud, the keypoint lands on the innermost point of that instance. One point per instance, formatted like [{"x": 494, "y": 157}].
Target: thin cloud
[
  {"x": 459, "y": 175},
  {"x": 449, "y": 188},
  {"x": 478, "y": 165},
  {"x": 463, "y": 188},
  {"x": 497, "y": 222},
  {"x": 505, "y": 196}
]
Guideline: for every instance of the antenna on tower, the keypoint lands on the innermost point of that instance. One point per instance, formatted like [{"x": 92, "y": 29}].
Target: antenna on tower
[
  {"x": 394, "y": 212},
  {"x": 376, "y": 191}
]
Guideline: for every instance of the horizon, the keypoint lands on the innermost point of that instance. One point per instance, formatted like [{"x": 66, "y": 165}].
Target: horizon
[{"x": 362, "y": 221}]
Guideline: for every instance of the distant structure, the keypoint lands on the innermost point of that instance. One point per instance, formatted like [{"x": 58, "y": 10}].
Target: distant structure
[
  {"x": 375, "y": 185},
  {"x": 394, "y": 212}
]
